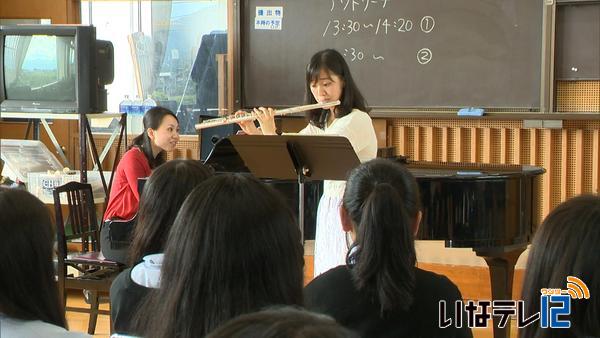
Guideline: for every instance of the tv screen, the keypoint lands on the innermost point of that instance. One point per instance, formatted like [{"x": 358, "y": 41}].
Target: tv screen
[
  {"x": 40, "y": 67},
  {"x": 53, "y": 69}
]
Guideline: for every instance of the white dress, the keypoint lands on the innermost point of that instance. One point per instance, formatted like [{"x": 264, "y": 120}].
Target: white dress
[{"x": 330, "y": 239}]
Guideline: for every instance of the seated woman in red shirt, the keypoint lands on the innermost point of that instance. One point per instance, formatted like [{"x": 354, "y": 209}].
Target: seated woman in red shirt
[{"x": 161, "y": 133}]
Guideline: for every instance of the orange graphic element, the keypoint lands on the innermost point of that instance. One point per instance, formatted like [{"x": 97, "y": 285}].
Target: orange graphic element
[{"x": 577, "y": 288}]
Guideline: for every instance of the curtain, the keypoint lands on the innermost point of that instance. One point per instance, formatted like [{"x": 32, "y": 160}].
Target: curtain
[{"x": 16, "y": 50}]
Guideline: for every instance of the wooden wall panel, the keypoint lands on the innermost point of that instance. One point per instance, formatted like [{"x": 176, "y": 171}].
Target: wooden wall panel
[
  {"x": 578, "y": 96},
  {"x": 570, "y": 155},
  {"x": 188, "y": 147},
  {"x": 61, "y": 129},
  {"x": 595, "y": 158},
  {"x": 59, "y": 11}
]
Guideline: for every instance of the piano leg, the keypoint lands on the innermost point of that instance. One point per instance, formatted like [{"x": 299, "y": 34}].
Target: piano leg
[{"x": 502, "y": 269}]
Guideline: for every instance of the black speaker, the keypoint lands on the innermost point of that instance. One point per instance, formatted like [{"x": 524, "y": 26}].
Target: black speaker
[{"x": 210, "y": 136}]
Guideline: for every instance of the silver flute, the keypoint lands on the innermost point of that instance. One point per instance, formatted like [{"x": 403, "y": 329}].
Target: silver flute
[{"x": 236, "y": 118}]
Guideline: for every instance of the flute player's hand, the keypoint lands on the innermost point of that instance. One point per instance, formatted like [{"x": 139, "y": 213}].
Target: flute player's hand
[
  {"x": 266, "y": 119},
  {"x": 248, "y": 127}
]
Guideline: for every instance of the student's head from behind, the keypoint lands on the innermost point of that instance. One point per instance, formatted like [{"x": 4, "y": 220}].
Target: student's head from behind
[
  {"x": 163, "y": 195},
  {"x": 234, "y": 248},
  {"x": 328, "y": 78},
  {"x": 381, "y": 206},
  {"x": 278, "y": 322},
  {"x": 28, "y": 290},
  {"x": 161, "y": 133},
  {"x": 567, "y": 243}
]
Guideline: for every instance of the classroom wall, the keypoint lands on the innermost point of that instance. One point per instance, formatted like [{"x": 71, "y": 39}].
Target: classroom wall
[{"x": 570, "y": 154}]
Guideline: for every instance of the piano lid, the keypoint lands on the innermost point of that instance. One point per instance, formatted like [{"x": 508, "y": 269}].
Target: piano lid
[
  {"x": 224, "y": 158},
  {"x": 470, "y": 171},
  {"x": 477, "y": 205}
]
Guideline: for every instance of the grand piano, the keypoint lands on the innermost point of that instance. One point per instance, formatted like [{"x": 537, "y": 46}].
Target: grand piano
[{"x": 490, "y": 208}]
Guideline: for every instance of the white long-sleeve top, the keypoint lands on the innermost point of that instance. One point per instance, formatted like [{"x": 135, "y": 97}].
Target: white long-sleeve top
[{"x": 357, "y": 127}]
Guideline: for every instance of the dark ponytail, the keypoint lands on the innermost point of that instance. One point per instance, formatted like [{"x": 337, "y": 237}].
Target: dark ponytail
[
  {"x": 382, "y": 200},
  {"x": 152, "y": 119}
]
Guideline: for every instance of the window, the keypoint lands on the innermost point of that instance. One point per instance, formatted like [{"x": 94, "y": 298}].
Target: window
[{"x": 165, "y": 50}]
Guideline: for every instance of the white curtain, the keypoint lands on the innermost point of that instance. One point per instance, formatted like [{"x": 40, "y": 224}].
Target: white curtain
[
  {"x": 15, "y": 52},
  {"x": 65, "y": 49}
]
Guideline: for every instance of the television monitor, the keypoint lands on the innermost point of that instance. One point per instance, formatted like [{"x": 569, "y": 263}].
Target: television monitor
[{"x": 54, "y": 69}]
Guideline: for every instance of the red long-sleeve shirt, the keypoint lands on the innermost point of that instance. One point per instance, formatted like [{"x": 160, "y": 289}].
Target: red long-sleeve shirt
[{"x": 124, "y": 198}]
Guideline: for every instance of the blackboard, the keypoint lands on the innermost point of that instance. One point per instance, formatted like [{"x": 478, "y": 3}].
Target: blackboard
[
  {"x": 578, "y": 41},
  {"x": 402, "y": 53}
]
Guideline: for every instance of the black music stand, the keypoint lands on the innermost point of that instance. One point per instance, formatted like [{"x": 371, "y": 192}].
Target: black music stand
[{"x": 289, "y": 157}]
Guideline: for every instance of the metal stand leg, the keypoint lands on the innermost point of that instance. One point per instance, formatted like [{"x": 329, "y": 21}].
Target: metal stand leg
[
  {"x": 301, "y": 207},
  {"x": 83, "y": 148},
  {"x": 59, "y": 150}
]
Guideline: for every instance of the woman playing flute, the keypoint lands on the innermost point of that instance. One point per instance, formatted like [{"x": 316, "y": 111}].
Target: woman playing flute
[{"x": 328, "y": 79}]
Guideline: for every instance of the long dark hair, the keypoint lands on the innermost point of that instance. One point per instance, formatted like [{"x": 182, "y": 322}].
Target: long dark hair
[
  {"x": 566, "y": 244},
  {"x": 152, "y": 119},
  {"x": 234, "y": 248},
  {"x": 170, "y": 182},
  {"x": 286, "y": 321},
  {"x": 382, "y": 200},
  {"x": 28, "y": 290},
  {"x": 332, "y": 61}
]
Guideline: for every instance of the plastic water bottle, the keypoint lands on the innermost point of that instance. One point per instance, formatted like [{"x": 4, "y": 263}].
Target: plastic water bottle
[
  {"x": 148, "y": 103},
  {"x": 125, "y": 105},
  {"x": 136, "y": 122},
  {"x": 137, "y": 106}
]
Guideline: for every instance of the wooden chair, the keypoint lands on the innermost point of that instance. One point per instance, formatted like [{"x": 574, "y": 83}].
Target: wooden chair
[{"x": 94, "y": 274}]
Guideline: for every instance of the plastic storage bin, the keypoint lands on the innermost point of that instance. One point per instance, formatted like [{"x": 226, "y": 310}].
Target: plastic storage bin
[{"x": 42, "y": 184}]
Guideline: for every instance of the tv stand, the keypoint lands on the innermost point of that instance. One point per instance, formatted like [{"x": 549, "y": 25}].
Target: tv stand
[{"x": 85, "y": 132}]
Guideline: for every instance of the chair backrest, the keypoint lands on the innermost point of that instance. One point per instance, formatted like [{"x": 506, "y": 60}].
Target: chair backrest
[{"x": 82, "y": 217}]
